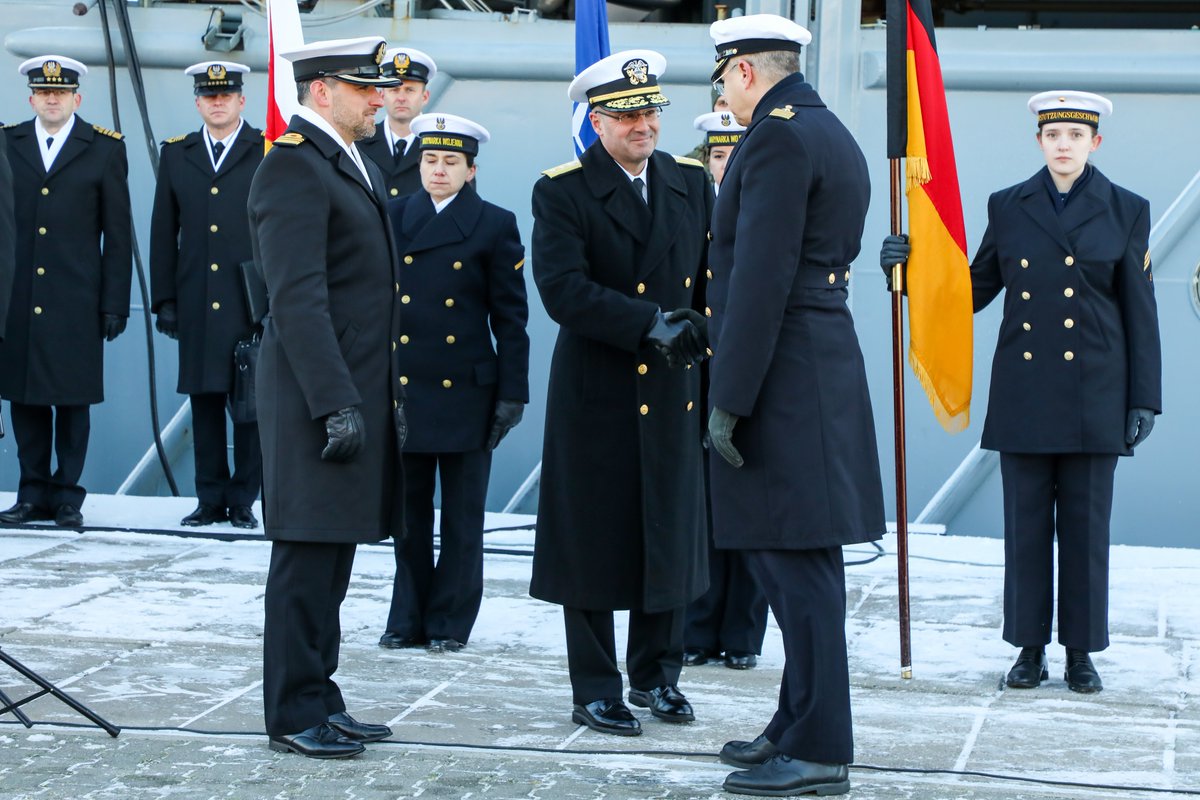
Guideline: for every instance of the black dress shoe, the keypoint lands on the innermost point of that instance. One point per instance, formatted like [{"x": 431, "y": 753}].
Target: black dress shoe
[
  {"x": 1029, "y": 670},
  {"x": 741, "y": 660},
  {"x": 397, "y": 641},
  {"x": 242, "y": 517},
  {"x": 68, "y": 516},
  {"x": 1081, "y": 675},
  {"x": 665, "y": 702},
  {"x": 607, "y": 716},
  {"x": 695, "y": 656},
  {"x": 21, "y": 513},
  {"x": 204, "y": 515},
  {"x": 745, "y": 755},
  {"x": 784, "y": 776},
  {"x": 319, "y": 741},
  {"x": 444, "y": 646},
  {"x": 357, "y": 731}
]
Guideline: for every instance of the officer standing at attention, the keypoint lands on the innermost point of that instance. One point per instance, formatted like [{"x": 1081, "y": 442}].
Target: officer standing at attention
[
  {"x": 199, "y": 235},
  {"x": 798, "y": 472},
  {"x": 70, "y": 290},
  {"x": 462, "y": 283},
  {"x": 393, "y": 144},
  {"x": 619, "y": 243},
  {"x": 1076, "y": 379},
  {"x": 329, "y": 394},
  {"x": 8, "y": 232}
]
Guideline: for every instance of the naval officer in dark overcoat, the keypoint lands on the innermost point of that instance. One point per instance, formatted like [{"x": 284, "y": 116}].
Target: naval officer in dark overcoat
[
  {"x": 199, "y": 235},
  {"x": 70, "y": 290},
  {"x": 619, "y": 242},
  {"x": 462, "y": 283},
  {"x": 798, "y": 472},
  {"x": 393, "y": 145},
  {"x": 329, "y": 393},
  {"x": 8, "y": 233},
  {"x": 1076, "y": 379}
]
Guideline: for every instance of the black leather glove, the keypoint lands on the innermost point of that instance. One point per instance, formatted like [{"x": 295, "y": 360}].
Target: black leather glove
[
  {"x": 167, "y": 321},
  {"x": 720, "y": 435},
  {"x": 1138, "y": 424},
  {"x": 401, "y": 425},
  {"x": 895, "y": 250},
  {"x": 506, "y": 416},
  {"x": 112, "y": 325},
  {"x": 678, "y": 339},
  {"x": 346, "y": 433},
  {"x": 697, "y": 340}
]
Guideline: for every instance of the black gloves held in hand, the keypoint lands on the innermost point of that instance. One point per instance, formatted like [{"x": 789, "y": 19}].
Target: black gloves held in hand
[
  {"x": 895, "y": 250},
  {"x": 506, "y": 416},
  {"x": 345, "y": 433},
  {"x": 167, "y": 321},
  {"x": 1138, "y": 424},
  {"x": 681, "y": 336},
  {"x": 720, "y": 435},
  {"x": 401, "y": 422},
  {"x": 112, "y": 326}
]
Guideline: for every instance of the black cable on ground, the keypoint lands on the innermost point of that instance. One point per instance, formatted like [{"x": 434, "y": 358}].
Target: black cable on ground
[
  {"x": 689, "y": 754},
  {"x": 139, "y": 88}
]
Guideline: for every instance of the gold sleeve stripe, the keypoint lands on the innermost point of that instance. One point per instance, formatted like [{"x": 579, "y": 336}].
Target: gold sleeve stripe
[
  {"x": 1146, "y": 263},
  {"x": 519, "y": 264}
]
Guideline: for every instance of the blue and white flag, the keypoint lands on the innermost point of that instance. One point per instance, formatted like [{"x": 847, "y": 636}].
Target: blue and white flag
[{"x": 591, "y": 45}]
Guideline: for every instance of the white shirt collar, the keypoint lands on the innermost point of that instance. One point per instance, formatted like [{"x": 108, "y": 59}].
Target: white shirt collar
[
  {"x": 645, "y": 176},
  {"x": 316, "y": 119},
  {"x": 60, "y": 138},
  {"x": 393, "y": 137},
  {"x": 227, "y": 141},
  {"x": 440, "y": 207}
]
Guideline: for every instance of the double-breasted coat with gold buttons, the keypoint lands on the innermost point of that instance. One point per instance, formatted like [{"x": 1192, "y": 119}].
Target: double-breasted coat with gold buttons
[
  {"x": 1079, "y": 342},
  {"x": 462, "y": 281},
  {"x": 620, "y": 511},
  {"x": 199, "y": 234},
  {"x": 74, "y": 251}
]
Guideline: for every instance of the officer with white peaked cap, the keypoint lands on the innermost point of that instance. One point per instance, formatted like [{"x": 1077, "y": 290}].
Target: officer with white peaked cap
[{"x": 393, "y": 145}]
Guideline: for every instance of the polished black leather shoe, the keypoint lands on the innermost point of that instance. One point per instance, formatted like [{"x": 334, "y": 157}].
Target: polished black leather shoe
[
  {"x": 204, "y": 515},
  {"x": 68, "y": 516},
  {"x": 319, "y": 741},
  {"x": 741, "y": 660},
  {"x": 1029, "y": 670},
  {"x": 444, "y": 646},
  {"x": 695, "y": 656},
  {"x": 397, "y": 641},
  {"x": 1081, "y": 675},
  {"x": 21, "y": 513},
  {"x": 607, "y": 716},
  {"x": 784, "y": 776},
  {"x": 745, "y": 755},
  {"x": 665, "y": 702},
  {"x": 241, "y": 517},
  {"x": 357, "y": 731}
]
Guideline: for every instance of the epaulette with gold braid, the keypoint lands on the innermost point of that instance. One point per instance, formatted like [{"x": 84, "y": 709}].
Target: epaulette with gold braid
[
  {"x": 562, "y": 169},
  {"x": 290, "y": 140},
  {"x": 175, "y": 139},
  {"x": 108, "y": 132},
  {"x": 688, "y": 161},
  {"x": 12, "y": 125},
  {"x": 782, "y": 113}
]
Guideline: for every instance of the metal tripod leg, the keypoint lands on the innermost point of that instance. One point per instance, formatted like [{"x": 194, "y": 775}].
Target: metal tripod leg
[{"x": 47, "y": 688}]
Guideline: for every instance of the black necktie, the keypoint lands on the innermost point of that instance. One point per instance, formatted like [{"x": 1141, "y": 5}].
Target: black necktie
[
  {"x": 218, "y": 148},
  {"x": 398, "y": 153},
  {"x": 49, "y": 141},
  {"x": 639, "y": 186}
]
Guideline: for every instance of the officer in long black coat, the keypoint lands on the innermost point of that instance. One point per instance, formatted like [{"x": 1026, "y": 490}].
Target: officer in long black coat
[
  {"x": 70, "y": 290},
  {"x": 8, "y": 233},
  {"x": 199, "y": 235},
  {"x": 393, "y": 145},
  {"x": 329, "y": 394},
  {"x": 461, "y": 283},
  {"x": 1076, "y": 379},
  {"x": 798, "y": 475},
  {"x": 620, "y": 512}
]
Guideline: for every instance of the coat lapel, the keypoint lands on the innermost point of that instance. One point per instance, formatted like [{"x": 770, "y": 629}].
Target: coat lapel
[
  {"x": 195, "y": 152},
  {"x": 668, "y": 198},
  {"x": 1088, "y": 203},
  {"x": 25, "y": 144},
  {"x": 609, "y": 184},
  {"x": 246, "y": 141},
  {"x": 429, "y": 230},
  {"x": 81, "y": 136},
  {"x": 1036, "y": 203}
]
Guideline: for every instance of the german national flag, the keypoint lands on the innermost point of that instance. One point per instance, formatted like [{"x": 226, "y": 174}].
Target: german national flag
[{"x": 939, "y": 280}]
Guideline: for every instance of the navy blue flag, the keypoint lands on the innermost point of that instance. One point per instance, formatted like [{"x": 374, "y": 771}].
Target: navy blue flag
[{"x": 591, "y": 45}]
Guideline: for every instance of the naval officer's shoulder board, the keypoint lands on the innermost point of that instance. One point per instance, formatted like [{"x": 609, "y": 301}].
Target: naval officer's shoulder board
[
  {"x": 688, "y": 161},
  {"x": 562, "y": 169},
  {"x": 175, "y": 139},
  {"x": 289, "y": 140},
  {"x": 108, "y": 132}
]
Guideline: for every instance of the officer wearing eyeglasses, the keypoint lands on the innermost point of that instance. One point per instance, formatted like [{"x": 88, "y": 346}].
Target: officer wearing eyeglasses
[{"x": 619, "y": 243}]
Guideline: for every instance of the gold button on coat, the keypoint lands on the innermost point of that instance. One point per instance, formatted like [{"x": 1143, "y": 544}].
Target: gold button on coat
[
  {"x": 457, "y": 265},
  {"x": 1068, "y": 355},
  {"x": 710, "y": 236},
  {"x": 41, "y": 231},
  {"x": 643, "y": 369},
  {"x": 393, "y": 347},
  {"x": 447, "y": 383},
  {"x": 641, "y": 288},
  {"x": 404, "y": 380},
  {"x": 450, "y": 339},
  {"x": 1027, "y": 326},
  {"x": 395, "y": 192},
  {"x": 449, "y": 302},
  {"x": 1068, "y": 323},
  {"x": 37, "y": 309},
  {"x": 405, "y": 299},
  {"x": 45, "y": 191},
  {"x": 1068, "y": 292},
  {"x": 404, "y": 339},
  {"x": 216, "y": 306},
  {"x": 707, "y": 311},
  {"x": 832, "y": 278},
  {"x": 214, "y": 267},
  {"x": 1024, "y": 263},
  {"x": 687, "y": 282},
  {"x": 709, "y": 274},
  {"x": 213, "y": 228},
  {"x": 1069, "y": 260},
  {"x": 408, "y": 259},
  {"x": 1028, "y": 356},
  {"x": 690, "y": 405},
  {"x": 397, "y": 286},
  {"x": 645, "y": 409},
  {"x": 41, "y": 270},
  {"x": 1024, "y": 295},
  {"x": 215, "y": 190}
]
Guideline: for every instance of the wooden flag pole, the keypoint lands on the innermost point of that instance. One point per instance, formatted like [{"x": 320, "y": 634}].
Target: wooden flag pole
[{"x": 898, "y": 417}]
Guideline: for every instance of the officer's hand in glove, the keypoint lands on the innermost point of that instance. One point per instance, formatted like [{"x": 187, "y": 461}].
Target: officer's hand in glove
[
  {"x": 401, "y": 422},
  {"x": 506, "y": 416},
  {"x": 695, "y": 342},
  {"x": 895, "y": 250},
  {"x": 112, "y": 325},
  {"x": 677, "y": 339},
  {"x": 720, "y": 435},
  {"x": 346, "y": 433},
  {"x": 167, "y": 321},
  {"x": 1138, "y": 424}
]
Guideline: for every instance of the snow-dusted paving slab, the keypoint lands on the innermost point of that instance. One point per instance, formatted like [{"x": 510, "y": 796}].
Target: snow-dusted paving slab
[{"x": 161, "y": 634}]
